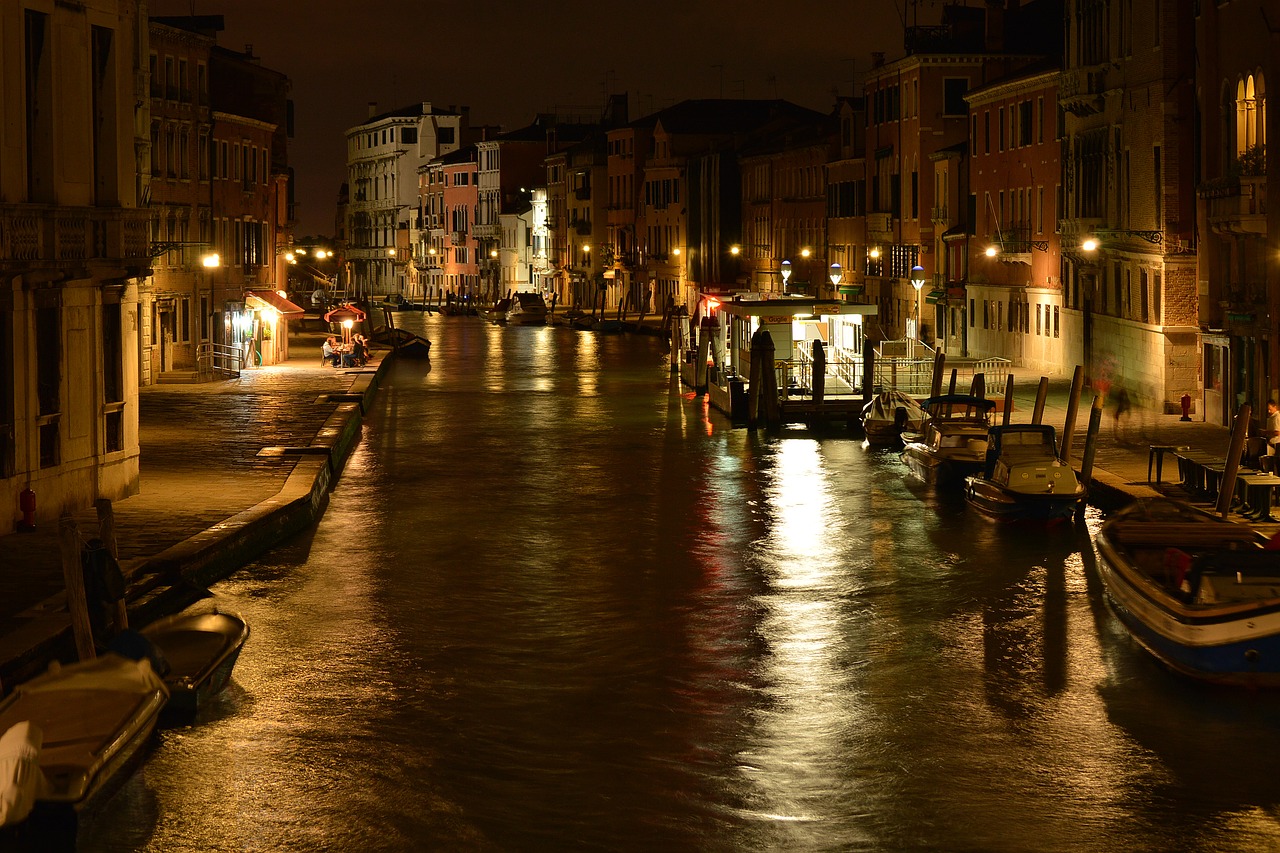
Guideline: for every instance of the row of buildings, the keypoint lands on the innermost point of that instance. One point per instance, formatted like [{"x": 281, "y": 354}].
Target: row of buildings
[
  {"x": 1057, "y": 182},
  {"x": 144, "y": 206}
]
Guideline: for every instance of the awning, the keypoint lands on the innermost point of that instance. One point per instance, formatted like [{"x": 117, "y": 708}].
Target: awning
[
  {"x": 344, "y": 312},
  {"x": 276, "y": 301}
]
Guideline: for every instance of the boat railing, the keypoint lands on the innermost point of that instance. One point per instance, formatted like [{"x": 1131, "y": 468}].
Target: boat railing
[{"x": 214, "y": 360}]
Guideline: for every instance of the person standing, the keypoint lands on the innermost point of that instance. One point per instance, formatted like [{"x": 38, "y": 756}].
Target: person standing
[{"x": 1272, "y": 431}]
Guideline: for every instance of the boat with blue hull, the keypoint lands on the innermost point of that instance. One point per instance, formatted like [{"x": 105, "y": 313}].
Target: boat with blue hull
[{"x": 1199, "y": 593}]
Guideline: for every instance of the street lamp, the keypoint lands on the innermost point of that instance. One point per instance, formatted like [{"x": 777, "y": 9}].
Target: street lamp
[
  {"x": 785, "y": 270},
  {"x": 835, "y": 273},
  {"x": 917, "y": 281}
]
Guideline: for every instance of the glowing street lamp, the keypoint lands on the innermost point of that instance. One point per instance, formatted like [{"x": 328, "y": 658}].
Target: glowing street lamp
[
  {"x": 211, "y": 260},
  {"x": 1089, "y": 244},
  {"x": 836, "y": 274},
  {"x": 785, "y": 270},
  {"x": 917, "y": 281}
]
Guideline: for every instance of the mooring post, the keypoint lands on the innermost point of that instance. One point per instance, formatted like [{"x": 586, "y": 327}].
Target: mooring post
[
  {"x": 1227, "y": 487},
  {"x": 1042, "y": 394},
  {"x": 868, "y": 372},
  {"x": 107, "y": 530},
  {"x": 769, "y": 393},
  {"x": 952, "y": 387},
  {"x": 939, "y": 365},
  {"x": 978, "y": 388},
  {"x": 755, "y": 380},
  {"x": 1090, "y": 448},
  {"x": 1073, "y": 406},
  {"x": 1008, "y": 399},
  {"x": 819, "y": 371},
  {"x": 73, "y": 577}
]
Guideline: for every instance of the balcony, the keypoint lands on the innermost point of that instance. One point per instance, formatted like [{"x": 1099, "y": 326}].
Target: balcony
[
  {"x": 941, "y": 214},
  {"x": 1238, "y": 207},
  {"x": 880, "y": 227},
  {"x": 1082, "y": 91},
  {"x": 582, "y": 227},
  {"x": 37, "y": 234}
]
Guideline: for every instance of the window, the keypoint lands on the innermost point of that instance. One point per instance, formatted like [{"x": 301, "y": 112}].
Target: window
[
  {"x": 409, "y": 135},
  {"x": 953, "y": 91}
]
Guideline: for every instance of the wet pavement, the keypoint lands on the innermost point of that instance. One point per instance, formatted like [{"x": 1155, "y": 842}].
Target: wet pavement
[{"x": 202, "y": 464}]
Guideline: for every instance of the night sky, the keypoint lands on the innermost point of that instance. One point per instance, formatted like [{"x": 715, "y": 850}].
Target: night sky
[{"x": 509, "y": 60}]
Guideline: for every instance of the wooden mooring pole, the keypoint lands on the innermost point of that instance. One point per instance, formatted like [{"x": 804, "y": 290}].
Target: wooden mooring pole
[
  {"x": 107, "y": 530},
  {"x": 73, "y": 577},
  {"x": 1227, "y": 486},
  {"x": 1008, "y": 400},
  {"x": 1090, "y": 448},
  {"x": 1069, "y": 425},
  {"x": 1042, "y": 394},
  {"x": 939, "y": 365}
]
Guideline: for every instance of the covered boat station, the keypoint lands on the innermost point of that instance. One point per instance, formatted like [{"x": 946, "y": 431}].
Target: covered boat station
[{"x": 807, "y": 357}]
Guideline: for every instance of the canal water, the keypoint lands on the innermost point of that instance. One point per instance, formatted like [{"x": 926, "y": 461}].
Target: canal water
[{"x": 557, "y": 604}]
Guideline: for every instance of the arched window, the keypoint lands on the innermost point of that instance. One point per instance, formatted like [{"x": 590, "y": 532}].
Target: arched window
[{"x": 1250, "y": 115}]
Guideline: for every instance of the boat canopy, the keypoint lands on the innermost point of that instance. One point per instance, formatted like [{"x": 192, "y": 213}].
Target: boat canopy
[{"x": 1025, "y": 441}]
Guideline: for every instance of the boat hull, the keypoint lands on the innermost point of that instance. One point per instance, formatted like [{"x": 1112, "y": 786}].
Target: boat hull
[
  {"x": 1005, "y": 504},
  {"x": 937, "y": 469},
  {"x": 1228, "y": 639},
  {"x": 201, "y": 650},
  {"x": 95, "y": 716}
]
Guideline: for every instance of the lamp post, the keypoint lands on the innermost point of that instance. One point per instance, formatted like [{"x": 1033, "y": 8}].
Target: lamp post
[
  {"x": 836, "y": 274},
  {"x": 785, "y": 270},
  {"x": 917, "y": 281}
]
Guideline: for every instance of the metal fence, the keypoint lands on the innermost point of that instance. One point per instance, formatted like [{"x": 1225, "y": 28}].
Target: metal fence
[{"x": 213, "y": 360}]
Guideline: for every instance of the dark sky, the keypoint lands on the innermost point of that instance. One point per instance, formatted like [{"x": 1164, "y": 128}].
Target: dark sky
[{"x": 509, "y": 60}]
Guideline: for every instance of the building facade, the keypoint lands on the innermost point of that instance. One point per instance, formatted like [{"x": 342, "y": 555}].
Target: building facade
[{"x": 74, "y": 178}]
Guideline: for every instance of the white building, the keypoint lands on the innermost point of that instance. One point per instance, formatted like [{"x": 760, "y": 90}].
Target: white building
[{"x": 384, "y": 156}]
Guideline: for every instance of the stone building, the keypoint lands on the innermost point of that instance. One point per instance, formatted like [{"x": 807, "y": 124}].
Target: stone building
[
  {"x": 1128, "y": 221},
  {"x": 74, "y": 178}
]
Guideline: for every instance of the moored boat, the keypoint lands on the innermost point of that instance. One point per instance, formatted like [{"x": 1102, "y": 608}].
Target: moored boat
[
  {"x": 200, "y": 649},
  {"x": 889, "y": 414},
  {"x": 92, "y": 717},
  {"x": 953, "y": 442},
  {"x": 527, "y": 309},
  {"x": 1199, "y": 593},
  {"x": 497, "y": 312},
  {"x": 1023, "y": 479}
]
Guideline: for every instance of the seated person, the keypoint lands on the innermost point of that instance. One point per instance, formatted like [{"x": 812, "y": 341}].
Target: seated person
[
  {"x": 330, "y": 350},
  {"x": 360, "y": 350}
]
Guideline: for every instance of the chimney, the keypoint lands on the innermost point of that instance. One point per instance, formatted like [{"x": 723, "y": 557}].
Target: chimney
[
  {"x": 373, "y": 109},
  {"x": 877, "y": 58},
  {"x": 426, "y": 108}
]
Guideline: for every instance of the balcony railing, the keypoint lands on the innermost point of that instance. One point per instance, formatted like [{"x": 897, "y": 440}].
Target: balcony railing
[
  {"x": 1239, "y": 207},
  {"x": 35, "y": 232}
]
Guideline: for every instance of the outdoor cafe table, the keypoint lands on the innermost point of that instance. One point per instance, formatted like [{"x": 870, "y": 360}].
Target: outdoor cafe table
[
  {"x": 1257, "y": 487},
  {"x": 1200, "y": 471}
]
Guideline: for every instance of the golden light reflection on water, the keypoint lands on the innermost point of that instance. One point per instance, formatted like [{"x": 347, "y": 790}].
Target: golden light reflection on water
[{"x": 809, "y": 711}]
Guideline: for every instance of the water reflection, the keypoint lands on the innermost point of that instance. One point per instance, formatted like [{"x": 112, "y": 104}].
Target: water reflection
[{"x": 557, "y": 603}]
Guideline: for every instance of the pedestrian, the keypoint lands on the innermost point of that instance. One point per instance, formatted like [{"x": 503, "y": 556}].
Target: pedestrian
[
  {"x": 1120, "y": 395},
  {"x": 1272, "y": 432}
]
